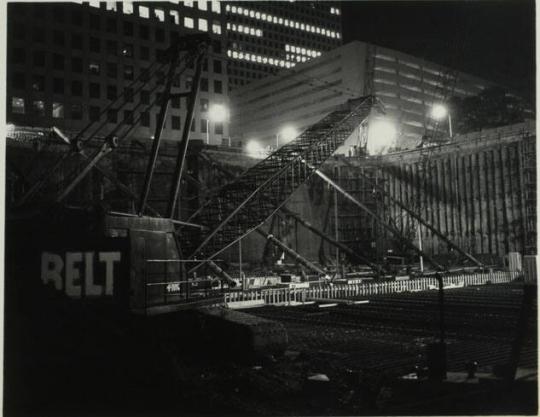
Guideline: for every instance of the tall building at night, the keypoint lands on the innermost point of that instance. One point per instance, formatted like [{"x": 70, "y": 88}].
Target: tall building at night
[
  {"x": 68, "y": 61},
  {"x": 266, "y": 36},
  {"x": 295, "y": 98}
]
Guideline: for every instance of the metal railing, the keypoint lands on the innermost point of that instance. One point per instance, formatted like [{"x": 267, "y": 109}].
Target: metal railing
[{"x": 344, "y": 291}]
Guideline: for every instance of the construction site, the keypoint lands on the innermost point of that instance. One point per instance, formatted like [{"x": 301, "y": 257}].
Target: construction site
[{"x": 156, "y": 277}]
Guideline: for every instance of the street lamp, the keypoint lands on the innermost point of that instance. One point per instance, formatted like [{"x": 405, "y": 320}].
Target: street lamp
[
  {"x": 288, "y": 133},
  {"x": 439, "y": 112},
  {"x": 217, "y": 113},
  {"x": 381, "y": 136}
]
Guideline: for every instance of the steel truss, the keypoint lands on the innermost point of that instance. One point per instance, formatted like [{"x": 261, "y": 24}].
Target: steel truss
[{"x": 243, "y": 205}]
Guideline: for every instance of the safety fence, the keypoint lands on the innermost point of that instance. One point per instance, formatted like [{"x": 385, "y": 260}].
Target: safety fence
[{"x": 345, "y": 291}]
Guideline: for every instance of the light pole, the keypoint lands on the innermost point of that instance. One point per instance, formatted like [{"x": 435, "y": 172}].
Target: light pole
[
  {"x": 439, "y": 112},
  {"x": 217, "y": 113}
]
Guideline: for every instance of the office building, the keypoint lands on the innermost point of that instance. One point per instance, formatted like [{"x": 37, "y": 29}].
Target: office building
[
  {"x": 68, "y": 61},
  {"x": 264, "y": 37},
  {"x": 273, "y": 110}
]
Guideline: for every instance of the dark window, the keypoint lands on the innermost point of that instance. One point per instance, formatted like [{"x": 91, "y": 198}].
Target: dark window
[
  {"x": 38, "y": 83},
  {"x": 175, "y": 122},
  {"x": 95, "y": 22},
  {"x": 128, "y": 72},
  {"x": 144, "y": 32},
  {"x": 19, "y": 81},
  {"x": 218, "y": 129},
  {"x": 58, "y": 62},
  {"x": 77, "y": 41},
  {"x": 145, "y": 119},
  {"x": 17, "y": 105},
  {"x": 204, "y": 84},
  {"x": 160, "y": 77},
  {"x": 76, "y": 64},
  {"x": 204, "y": 104},
  {"x": 19, "y": 55},
  {"x": 111, "y": 92},
  {"x": 128, "y": 94},
  {"x": 58, "y": 38},
  {"x": 112, "y": 115},
  {"x": 76, "y": 111},
  {"x": 205, "y": 64},
  {"x": 19, "y": 32},
  {"x": 94, "y": 113},
  {"x": 111, "y": 25},
  {"x": 76, "y": 88},
  {"x": 94, "y": 90},
  {"x": 204, "y": 126},
  {"x": 217, "y": 66},
  {"x": 39, "y": 58},
  {"x": 95, "y": 45},
  {"x": 145, "y": 53},
  {"x": 76, "y": 18},
  {"x": 216, "y": 46},
  {"x": 192, "y": 127},
  {"x": 58, "y": 86},
  {"x": 160, "y": 35},
  {"x": 145, "y": 97},
  {"x": 39, "y": 34},
  {"x": 218, "y": 87},
  {"x": 111, "y": 70},
  {"x": 58, "y": 13},
  {"x": 128, "y": 116},
  {"x": 112, "y": 47},
  {"x": 175, "y": 102},
  {"x": 128, "y": 29}
]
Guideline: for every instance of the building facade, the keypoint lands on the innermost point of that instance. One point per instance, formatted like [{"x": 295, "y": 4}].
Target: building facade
[
  {"x": 264, "y": 37},
  {"x": 68, "y": 61},
  {"x": 297, "y": 97}
]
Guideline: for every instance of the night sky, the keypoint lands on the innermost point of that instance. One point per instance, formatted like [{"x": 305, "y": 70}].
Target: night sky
[{"x": 494, "y": 40}]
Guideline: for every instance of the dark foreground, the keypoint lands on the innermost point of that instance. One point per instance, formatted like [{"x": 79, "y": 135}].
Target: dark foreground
[{"x": 77, "y": 360}]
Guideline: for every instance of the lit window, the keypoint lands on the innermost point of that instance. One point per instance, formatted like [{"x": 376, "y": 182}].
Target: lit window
[
  {"x": 144, "y": 12},
  {"x": 39, "y": 107},
  {"x": 93, "y": 68},
  {"x": 234, "y": 9},
  {"x": 280, "y": 20},
  {"x": 203, "y": 25},
  {"x": 202, "y": 5},
  {"x": 318, "y": 30},
  {"x": 228, "y": 7},
  {"x": 216, "y": 28},
  {"x": 257, "y": 15},
  {"x": 189, "y": 23},
  {"x": 160, "y": 14},
  {"x": 127, "y": 7},
  {"x": 215, "y": 7},
  {"x": 265, "y": 60},
  {"x": 235, "y": 54},
  {"x": 259, "y": 32},
  {"x": 263, "y": 16},
  {"x": 296, "y": 25},
  {"x": 176, "y": 16},
  {"x": 251, "y": 13},
  {"x": 94, "y": 3},
  {"x": 110, "y": 5},
  {"x": 188, "y": 3},
  {"x": 275, "y": 19},
  {"x": 286, "y": 22},
  {"x": 338, "y": 12},
  {"x": 58, "y": 110},
  {"x": 287, "y": 48},
  {"x": 246, "y": 12},
  {"x": 17, "y": 105},
  {"x": 240, "y": 10}
]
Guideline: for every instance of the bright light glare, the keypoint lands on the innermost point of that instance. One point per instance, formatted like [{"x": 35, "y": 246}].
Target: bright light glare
[
  {"x": 288, "y": 133},
  {"x": 217, "y": 113},
  {"x": 439, "y": 112},
  {"x": 381, "y": 137},
  {"x": 255, "y": 150}
]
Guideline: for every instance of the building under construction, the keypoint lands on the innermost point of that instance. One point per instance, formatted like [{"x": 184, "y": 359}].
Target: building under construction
[{"x": 156, "y": 244}]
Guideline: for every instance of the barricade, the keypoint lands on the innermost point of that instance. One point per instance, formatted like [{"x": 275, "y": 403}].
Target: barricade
[{"x": 290, "y": 295}]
